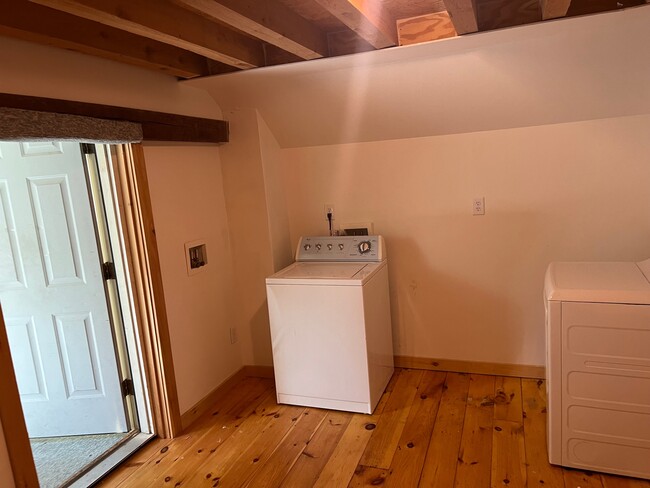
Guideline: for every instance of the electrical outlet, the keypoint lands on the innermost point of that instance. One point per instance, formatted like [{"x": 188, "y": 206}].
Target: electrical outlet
[
  {"x": 478, "y": 206},
  {"x": 233, "y": 335},
  {"x": 328, "y": 208}
]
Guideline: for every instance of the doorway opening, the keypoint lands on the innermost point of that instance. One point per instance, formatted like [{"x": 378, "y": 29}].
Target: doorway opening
[{"x": 68, "y": 308}]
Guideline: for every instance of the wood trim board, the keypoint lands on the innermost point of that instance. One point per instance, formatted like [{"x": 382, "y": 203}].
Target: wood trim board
[
  {"x": 144, "y": 261},
  {"x": 13, "y": 422},
  {"x": 476, "y": 367},
  {"x": 156, "y": 126},
  {"x": 407, "y": 362},
  {"x": 453, "y": 365}
]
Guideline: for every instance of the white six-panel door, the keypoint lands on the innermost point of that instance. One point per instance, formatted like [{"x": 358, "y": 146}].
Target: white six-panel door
[{"x": 52, "y": 293}]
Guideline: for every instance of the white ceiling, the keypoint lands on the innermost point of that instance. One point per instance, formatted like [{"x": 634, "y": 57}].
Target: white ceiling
[{"x": 568, "y": 70}]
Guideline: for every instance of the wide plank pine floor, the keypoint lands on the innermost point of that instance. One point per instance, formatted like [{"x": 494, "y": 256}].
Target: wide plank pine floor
[{"x": 430, "y": 429}]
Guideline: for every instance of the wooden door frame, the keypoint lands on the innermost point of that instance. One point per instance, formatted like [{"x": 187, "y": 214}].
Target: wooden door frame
[{"x": 146, "y": 280}]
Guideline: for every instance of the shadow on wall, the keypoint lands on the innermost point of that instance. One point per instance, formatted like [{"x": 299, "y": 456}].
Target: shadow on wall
[{"x": 260, "y": 333}]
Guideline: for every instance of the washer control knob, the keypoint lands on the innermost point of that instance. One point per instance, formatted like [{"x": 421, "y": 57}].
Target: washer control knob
[
  {"x": 318, "y": 246},
  {"x": 307, "y": 247},
  {"x": 364, "y": 247},
  {"x": 341, "y": 246},
  {"x": 329, "y": 247}
]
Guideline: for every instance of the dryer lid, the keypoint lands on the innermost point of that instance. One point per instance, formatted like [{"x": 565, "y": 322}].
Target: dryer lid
[{"x": 608, "y": 282}]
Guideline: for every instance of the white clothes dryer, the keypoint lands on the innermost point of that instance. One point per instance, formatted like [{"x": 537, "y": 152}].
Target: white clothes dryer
[
  {"x": 330, "y": 324},
  {"x": 598, "y": 366}
]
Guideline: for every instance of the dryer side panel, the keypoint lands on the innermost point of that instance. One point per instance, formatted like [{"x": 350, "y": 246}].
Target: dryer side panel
[
  {"x": 554, "y": 381},
  {"x": 606, "y": 387}
]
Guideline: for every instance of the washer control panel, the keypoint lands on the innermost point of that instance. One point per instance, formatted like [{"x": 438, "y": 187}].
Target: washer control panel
[{"x": 341, "y": 248}]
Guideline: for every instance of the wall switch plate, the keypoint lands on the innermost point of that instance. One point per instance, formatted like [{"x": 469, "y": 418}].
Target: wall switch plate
[{"x": 478, "y": 206}]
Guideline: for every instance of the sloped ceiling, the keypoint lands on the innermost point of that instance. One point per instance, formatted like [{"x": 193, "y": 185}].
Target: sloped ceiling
[{"x": 560, "y": 71}]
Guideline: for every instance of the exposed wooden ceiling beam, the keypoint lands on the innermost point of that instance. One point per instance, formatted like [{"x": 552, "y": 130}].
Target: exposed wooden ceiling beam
[
  {"x": 267, "y": 20},
  {"x": 369, "y": 19},
  {"x": 170, "y": 24},
  {"x": 497, "y": 14},
  {"x": 553, "y": 9},
  {"x": 463, "y": 15},
  {"x": 275, "y": 56},
  {"x": 34, "y": 23},
  {"x": 347, "y": 42}
]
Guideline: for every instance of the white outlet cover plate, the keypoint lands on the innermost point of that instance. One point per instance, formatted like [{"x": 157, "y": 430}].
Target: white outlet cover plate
[{"x": 478, "y": 206}]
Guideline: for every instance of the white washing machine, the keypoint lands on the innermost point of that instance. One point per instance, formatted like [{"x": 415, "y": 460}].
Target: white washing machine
[
  {"x": 598, "y": 366},
  {"x": 330, "y": 324}
]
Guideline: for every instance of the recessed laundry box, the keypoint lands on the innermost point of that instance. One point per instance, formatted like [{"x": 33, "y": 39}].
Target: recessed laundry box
[{"x": 598, "y": 366}]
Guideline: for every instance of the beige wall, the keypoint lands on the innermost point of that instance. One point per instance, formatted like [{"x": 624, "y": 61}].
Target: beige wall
[
  {"x": 469, "y": 287},
  {"x": 6, "y": 476},
  {"x": 245, "y": 193},
  {"x": 29, "y": 69},
  {"x": 188, "y": 204},
  {"x": 275, "y": 191}
]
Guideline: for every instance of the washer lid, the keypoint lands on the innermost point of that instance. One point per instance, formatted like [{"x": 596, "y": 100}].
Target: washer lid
[
  {"x": 612, "y": 282},
  {"x": 307, "y": 273}
]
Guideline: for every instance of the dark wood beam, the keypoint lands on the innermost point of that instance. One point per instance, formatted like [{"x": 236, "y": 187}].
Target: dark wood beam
[
  {"x": 267, "y": 20},
  {"x": 370, "y": 20},
  {"x": 30, "y": 22},
  {"x": 156, "y": 126},
  {"x": 168, "y": 23},
  {"x": 553, "y": 9},
  {"x": 463, "y": 15},
  {"x": 347, "y": 42},
  {"x": 497, "y": 14}
]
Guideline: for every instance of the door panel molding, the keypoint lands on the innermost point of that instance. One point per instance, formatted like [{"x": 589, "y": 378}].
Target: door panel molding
[
  {"x": 52, "y": 207},
  {"x": 12, "y": 274},
  {"x": 21, "y": 332}
]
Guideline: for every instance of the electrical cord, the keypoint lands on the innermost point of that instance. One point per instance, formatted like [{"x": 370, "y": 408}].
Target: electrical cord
[{"x": 329, "y": 219}]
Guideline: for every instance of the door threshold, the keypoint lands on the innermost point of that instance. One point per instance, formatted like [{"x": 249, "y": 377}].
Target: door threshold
[{"x": 112, "y": 460}]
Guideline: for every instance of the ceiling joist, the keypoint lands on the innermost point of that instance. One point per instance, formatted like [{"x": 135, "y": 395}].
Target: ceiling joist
[
  {"x": 553, "y": 9},
  {"x": 463, "y": 15},
  {"x": 31, "y": 22},
  {"x": 267, "y": 20},
  {"x": 170, "y": 24},
  {"x": 370, "y": 20},
  {"x": 190, "y": 38}
]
